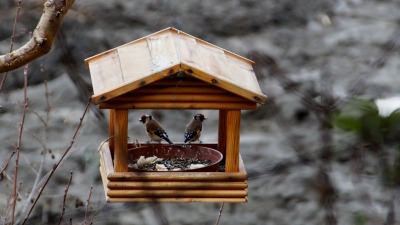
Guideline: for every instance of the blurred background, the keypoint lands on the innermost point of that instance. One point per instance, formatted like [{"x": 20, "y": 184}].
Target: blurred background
[{"x": 320, "y": 151}]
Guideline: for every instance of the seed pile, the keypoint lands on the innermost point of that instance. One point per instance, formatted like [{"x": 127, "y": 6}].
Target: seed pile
[{"x": 174, "y": 164}]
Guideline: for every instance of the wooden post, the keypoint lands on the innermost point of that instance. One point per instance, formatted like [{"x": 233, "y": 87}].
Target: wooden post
[
  {"x": 232, "y": 140},
  {"x": 120, "y": 140},
  {"x": 111, "y": 131},
  {"x": 222, "y": 132}
]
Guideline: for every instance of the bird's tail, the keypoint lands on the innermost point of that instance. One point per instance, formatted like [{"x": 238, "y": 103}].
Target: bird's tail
[{"x": 167, "y": 139}]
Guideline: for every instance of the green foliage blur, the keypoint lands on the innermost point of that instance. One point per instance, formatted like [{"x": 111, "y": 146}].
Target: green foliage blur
[{"x": 374, "y": 133}]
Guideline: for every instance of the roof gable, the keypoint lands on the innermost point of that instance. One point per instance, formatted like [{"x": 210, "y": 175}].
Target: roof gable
[{"x": 165, "y": 53}]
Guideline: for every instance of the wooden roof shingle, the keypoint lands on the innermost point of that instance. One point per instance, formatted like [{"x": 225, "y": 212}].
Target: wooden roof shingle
[{"x": 165, "y": 53}]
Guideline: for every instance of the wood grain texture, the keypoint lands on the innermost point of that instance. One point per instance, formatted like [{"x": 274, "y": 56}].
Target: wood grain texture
[
  {"x": 177, "y": 193},
  {"x": 106, "y": 159},
  {"x": 120, "y": 140},
  {"x": 205, "y": 200},
  {"x": 177, "y": 176},
  {"x": 176, "y": 185},
  {"x": 179, "y": 105},
  {"x": 122, "y": 69},
  {"x": 222, "y": 132},
  {"x": 232, "y": 140},
  {"x": 133, "y": 84},
  {"x": 111, "y": 130},
  {"x": 225, "y": 83},
  {"x": 180, "y": 97}
]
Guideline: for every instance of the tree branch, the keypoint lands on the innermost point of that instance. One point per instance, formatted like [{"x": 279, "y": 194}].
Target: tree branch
[{"x": 42, "y": 38}]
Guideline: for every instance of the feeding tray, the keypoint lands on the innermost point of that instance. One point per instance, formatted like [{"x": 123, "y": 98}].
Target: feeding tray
[
  {"x": 188, "y": 186},
  {"x": 175, "y": 158}
]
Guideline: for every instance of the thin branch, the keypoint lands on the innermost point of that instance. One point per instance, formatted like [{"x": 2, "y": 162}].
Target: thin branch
[
  {"x": 13, "y": 200},
  {"x": 3, "y": 80},
  {"x": 7, "y": 163},
  {"x": 39, "y": 178},
  {"x": 88, "y": 204},
  {"x": 43, "y": 36},
  {"x": 220, "y": 213},
  {"x": 65, "y": 197},
  {"x": 21, "y": 127},
  {"x": 59, "y": 162}
]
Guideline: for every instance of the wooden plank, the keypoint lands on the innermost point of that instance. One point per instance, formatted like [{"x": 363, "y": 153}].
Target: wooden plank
[
  {"x": 242, "y": 74},
  {"x": 177, "y": 193},
  {"x": 177, "y": 176},
  {"x": 222, "y": 132},
  {"x": 186, "y": 47},
  {"x": 173, "y": 185},
  {"x": 224, "y": 83},
  {"x": 178, "y": 89},
  {"x": 111, "y": 130},
  {"x": 162, "y": 51},
  {"x": 105, "y": 157},
  {"x": 104, "y": 180},
  {"x": 205, "y": 200},
  {"x": 198, "y": 40},
  {"x": 133, "y": 84},
  {"x": 121, "y": 140},
  {"x": 178, "y": 105},
  {"x": 105, "y": 72},
  {"x": 173, "y": 81},
  {"x": 90, "y": 59},
  {"x": 136, "y": 61},
  {"x": 232, "y": 141},
  {"x": 214, "y": 61},
  {"x": 177, "y": 97}
]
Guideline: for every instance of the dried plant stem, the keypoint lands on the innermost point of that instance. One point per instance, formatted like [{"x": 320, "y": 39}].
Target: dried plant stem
[
  {"x": 3, "y": 80},
  {"x": 21, "y": 127},
  {"x": 220, "y": 213},
  {"x": 65, "y": 197},
  {"x": 39, "y": 173},
  {"x": 5, "y": 74},
  {"x": 88, "y": 204},
  {"x": 59, "y": 162}
]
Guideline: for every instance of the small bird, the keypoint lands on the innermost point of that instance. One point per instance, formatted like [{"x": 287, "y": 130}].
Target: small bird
[
  {"x": 194, "y": 128},
  {"x": 154, "y": 129}
]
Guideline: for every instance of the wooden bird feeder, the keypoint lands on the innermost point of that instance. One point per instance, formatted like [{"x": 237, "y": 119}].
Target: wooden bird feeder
[{"x": 173, "y": 70}]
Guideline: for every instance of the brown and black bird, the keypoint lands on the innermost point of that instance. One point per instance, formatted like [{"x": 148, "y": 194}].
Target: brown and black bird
[
  {"x": 194, "y": 128},
  {"x": 154, "y": 129}
]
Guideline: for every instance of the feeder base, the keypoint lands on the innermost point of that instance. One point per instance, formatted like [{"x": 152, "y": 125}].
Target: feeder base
[{"x": 171, "y": 186}]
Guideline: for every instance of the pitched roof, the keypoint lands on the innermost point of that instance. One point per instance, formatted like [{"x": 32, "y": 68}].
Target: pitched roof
[{"x": 165, "y": 53}]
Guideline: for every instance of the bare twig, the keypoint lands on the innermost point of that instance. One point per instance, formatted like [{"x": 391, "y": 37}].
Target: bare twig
[
  {"x": 43, "y": 36},
  {"x": 7, "y": 163},
  {"x": 87, "y": 205},
  {"x": 13, "y": 200},
  {"x": 21, "y": 127},
  {"x": 65, "y": 197},
  {"x": 220, "y": 213},
  {"x": 59, "y": 162},
  {"x": 3, "y": 80},
  {"x": 39, "y": 178}
]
